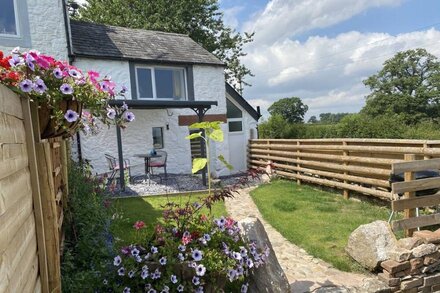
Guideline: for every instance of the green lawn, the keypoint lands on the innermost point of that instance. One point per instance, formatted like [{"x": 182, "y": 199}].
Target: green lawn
[
  {"x": 147, "y": 209},
  {"x": 318, "y": 221}
]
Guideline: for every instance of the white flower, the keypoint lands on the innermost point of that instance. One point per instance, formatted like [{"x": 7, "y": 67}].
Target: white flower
[
  {"x": 200, "y": 270},
  {"x": 117, "y": 260}
]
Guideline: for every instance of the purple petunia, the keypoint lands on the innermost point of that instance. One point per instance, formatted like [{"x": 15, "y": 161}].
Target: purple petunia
[
  {"x": 74, "y": 73},
  {"x": 180, "y": 288},
  {"x": 199, "y": 290},
  {"x": 39, "y": 86},
  {"x": 182, "y": 247},
  {"x": 129, "y": 116},
  {"x": 200, "y": 270},
  {"x": 111, "y": 113},
  {"x": 144, "y": 274},
  {"x": 66, "y": 89},
  {"x": 196, "y": 280},
  {"x": 197, "y": 255},
  {"x": 163, "y": 260},
  {"x": 231, "y": 275},
  {"x": 26, "y": 85},
  {"x": 135, "y": 252},
  {"x": 71, "y": 116},
  {"x": 173, "y": 279},
  {"x": 153, "y": 249},
  {"x": 57, "y": 73},
  {"x": 121, "y": 271},
  {"x": 117, "y": 261},
  {"x": 126, "y": 290},
  {"x": 244, "y": 288},
  {"x": 131, "y": 274},
  {"x": 180, "y": 257}
]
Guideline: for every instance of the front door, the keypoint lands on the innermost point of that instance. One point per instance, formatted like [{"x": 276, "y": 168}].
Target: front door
[{"x": 237, "y": 142}]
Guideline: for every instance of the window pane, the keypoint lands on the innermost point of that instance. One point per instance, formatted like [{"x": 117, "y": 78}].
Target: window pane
[
  {"x": 7, "y": 18},
  {"x": 232, "y": 111},
  {"x": 145, "y": 86},
  {"x": 235, "y": 126},
  {"x": 158, "y": 137},
  {"x": 169, "y": 84}
]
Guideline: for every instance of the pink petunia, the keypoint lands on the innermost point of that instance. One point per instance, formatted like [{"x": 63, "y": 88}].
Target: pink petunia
[{"x": 139, "y": 225}]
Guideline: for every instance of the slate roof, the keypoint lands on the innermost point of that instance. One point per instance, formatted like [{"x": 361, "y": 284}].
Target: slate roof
[{"x": 119, "y": 43}]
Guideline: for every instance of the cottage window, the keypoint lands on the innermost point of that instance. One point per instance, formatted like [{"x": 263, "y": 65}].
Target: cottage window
[
  {"x": 167, "y": 83},
  {"x": 158, "y": 137},
  {"x": 235, "y": 117},
  {"x": 8, "y": 18}
]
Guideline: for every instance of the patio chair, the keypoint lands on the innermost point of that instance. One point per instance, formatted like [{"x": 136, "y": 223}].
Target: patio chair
[
  {"x": 114, "y": 166},
  {"x": 159, "y": 162}
]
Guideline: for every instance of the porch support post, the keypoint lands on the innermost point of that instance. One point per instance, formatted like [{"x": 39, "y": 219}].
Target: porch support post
[
  {"x": 121, "y": 159},
  {"x": 200, "y": 114}
]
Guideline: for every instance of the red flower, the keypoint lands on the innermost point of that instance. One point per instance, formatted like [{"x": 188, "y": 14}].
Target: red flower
[
  {"x": 5, "y": 62},
  {"x": 139, "y": 225},
  {"x": 12, "y": 75},
  {"x": 203, "y": 218},
  {"x": 1, "y": 55}
]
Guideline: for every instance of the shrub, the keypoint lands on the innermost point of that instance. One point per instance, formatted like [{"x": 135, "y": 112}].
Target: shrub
[{"x": 87, "y": 245}]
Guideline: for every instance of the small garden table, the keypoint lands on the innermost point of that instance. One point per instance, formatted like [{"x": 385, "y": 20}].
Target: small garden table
[{"x": 147, "y": 158}]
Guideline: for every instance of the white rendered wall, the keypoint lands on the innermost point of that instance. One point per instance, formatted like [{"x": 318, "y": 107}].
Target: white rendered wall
[
  {"x": 47, "y": 29},
  {"x": 118, "y": 70},
  {"x": 137, "y": 137}
]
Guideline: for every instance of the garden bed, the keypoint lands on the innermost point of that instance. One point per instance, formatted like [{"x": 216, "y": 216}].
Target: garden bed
[
  {"x": 146, "y": 209},
  {"x": 318, "y": 221}
]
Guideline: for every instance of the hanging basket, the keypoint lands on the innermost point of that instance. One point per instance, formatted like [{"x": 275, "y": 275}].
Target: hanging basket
[{"x": 49, "y": 127}]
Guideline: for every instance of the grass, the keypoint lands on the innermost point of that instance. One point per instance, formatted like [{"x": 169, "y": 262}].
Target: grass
[
  {"x": 147, "y": 209},
  {"x": 318, "y": 221}
]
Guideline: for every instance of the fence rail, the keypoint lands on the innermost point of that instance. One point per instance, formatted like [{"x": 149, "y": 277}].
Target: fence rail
[{"x": 360, "y": 165}]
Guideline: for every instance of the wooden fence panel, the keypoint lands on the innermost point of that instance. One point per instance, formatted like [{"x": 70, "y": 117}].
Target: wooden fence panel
[
  {"x": 360, "y": 165},
  {"x": 19, "y": 255}
]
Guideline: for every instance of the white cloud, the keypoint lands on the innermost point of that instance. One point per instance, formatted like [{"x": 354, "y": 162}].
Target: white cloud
[
  {"x": 286, "y": 18},
  {"x": 230, "y": 16},
  {"x": 327, "y": 73}
]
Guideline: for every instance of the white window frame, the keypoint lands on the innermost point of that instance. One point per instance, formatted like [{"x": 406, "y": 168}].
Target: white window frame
[
  {"x": 17, "y": 23},
  {"x": 153, "y": 80},
  {"x": 240, "y": 119}
]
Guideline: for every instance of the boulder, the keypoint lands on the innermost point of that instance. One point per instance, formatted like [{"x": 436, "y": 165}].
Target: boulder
[
  {"x": 269, "y": 277},
  {"x": 371, "y": 244}
]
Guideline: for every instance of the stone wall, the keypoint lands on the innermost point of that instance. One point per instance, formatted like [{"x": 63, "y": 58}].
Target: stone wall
[{"x": 415, "y": 265}]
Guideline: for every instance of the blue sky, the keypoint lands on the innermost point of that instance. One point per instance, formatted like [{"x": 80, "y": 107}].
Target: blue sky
[{"x": 321, "y": 50}]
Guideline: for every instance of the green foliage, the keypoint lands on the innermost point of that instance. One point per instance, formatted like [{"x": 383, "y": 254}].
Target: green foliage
[
  {"x": 408, "y": 85},
  {"x": 331, "y": 118},
  {"x": 198, "y": 164},
  {"x": 202, "y": 20},
  {"x": 291, "y": 109},
  {"x": 362, "y": 126},
  {"x": 318, "y": 221},
  {"x": 87, "y": 219},
  {"x": 313, "y": 120},
  {"x": 277, "y": 127}
]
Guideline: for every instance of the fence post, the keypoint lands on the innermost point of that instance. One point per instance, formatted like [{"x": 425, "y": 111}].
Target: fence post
[
  {"x": 409, "y": 176},
  {"x": 50, "y": 217},
  {"x": 298, "y": 181},
  {"x": 345, "y": 154},
  {"x": 425, "y": 156}
]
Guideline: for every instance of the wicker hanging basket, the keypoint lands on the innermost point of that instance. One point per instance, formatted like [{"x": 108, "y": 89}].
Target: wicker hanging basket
[{"x": 49, "y": 127}]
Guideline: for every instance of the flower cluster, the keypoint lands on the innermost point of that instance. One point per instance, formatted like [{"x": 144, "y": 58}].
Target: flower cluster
[
  {"x": 49, "y": 81},
  {"x": 202, "y": 259}
]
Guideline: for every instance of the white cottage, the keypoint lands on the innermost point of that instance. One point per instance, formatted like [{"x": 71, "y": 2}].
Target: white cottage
[{"x": 163, "y": 70}]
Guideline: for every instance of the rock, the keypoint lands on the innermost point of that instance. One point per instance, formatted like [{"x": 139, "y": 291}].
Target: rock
[
  {"x": 371, "y": 244},
  {"x": 269, "y": 277},
  {"x": 371, "y": 285},
  {"x": 428, "y": 236},
  {"x": 410, "y": 242},
  {"x": 393, "y": 267},
  {"x": 400, "y": 254},
  {"x": 424, "y": 249}
]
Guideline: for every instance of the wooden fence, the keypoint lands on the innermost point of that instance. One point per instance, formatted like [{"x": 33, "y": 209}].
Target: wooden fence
[
  {"x": 409, "y": 201},
  {"x": 360, "y": 165},
  {"x": 33, "y": 188}
]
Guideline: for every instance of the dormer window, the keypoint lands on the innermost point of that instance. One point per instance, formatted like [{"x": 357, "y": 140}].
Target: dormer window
[
  {"x": 9, "y": 18},
  {"x": 165, "y": 83}
]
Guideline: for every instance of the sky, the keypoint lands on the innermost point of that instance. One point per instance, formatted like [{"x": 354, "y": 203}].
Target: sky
[{"x": 321, "y": 50}]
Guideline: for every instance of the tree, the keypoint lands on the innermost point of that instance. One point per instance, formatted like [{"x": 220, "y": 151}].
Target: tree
[
  {"x": 313, "y": 120},
  {"x": 199, "y": 19},
  {"x": 408, "y": 85},
  {"x": 291, "y": 109},
  {"x": 331, "y": 118}
]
